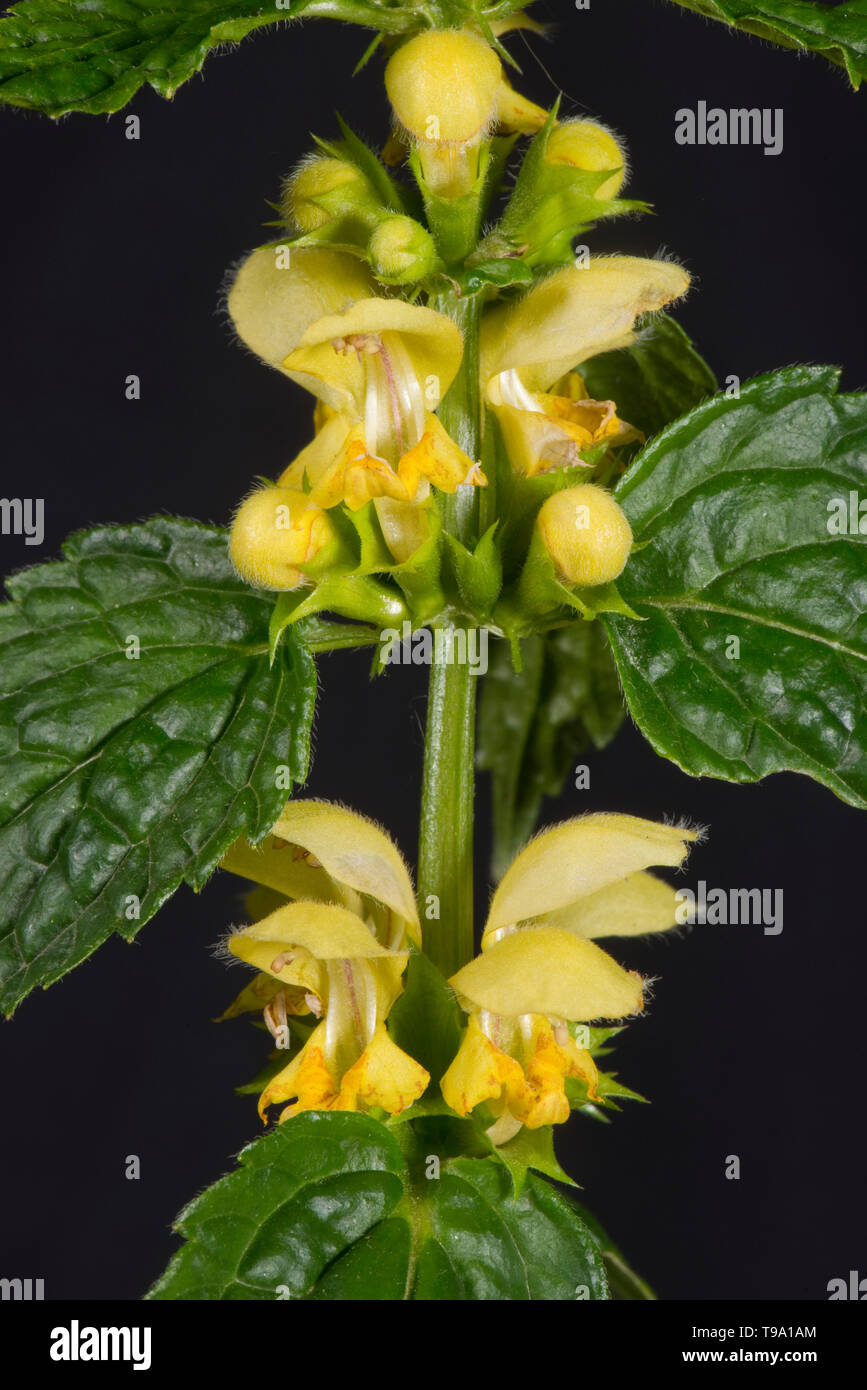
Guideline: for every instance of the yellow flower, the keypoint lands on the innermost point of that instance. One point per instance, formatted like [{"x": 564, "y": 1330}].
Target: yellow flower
[
  {"x": 379, "y": 367},
  {"x": 334, "y": 945},
  {"x": 539, "y": 969},
  {"x": 528, "y": 350},
  {"x": 382, "y": 368},
  {"x": 449, "y": 94}
]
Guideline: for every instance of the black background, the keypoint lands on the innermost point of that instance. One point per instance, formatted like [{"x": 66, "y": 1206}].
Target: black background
[{"x": 113, "y": 256}]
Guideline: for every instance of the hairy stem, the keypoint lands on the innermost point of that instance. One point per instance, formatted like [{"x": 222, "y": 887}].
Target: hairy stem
[{"x": 445, "y": 859}]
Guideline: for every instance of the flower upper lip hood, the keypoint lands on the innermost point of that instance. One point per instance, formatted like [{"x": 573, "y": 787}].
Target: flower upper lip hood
[
  {"x": 546, "y": 970},
  {"x": 443, "y": 86},
  {"x": 589, "y": 875},
  {"x": 271, "y": 307},
  {"x": 573, "y": 315},
  {"x": 342, "y": 851},
  {"x": 337, "y": 949},
  {"x": 539, "y": 971}
]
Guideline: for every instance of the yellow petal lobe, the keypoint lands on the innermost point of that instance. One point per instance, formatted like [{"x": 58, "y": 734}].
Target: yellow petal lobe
[
  {"x": 383, "y": 1076},
  {"x": 479, "y": 1072},
  {"x": 634, "y": 906},
  {"x": 543, "y": 1100},
  {"x": 573, "y": 315},
  {"x": 307, "y": 1078},
  {"x": 543, "y": 970}
]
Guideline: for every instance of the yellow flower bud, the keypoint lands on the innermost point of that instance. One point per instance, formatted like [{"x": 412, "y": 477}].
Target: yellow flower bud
[
  {"x": 325, "y": 190},
  {"x": 586, "y": 145},
  {"x": 275, "y": 530},
  {"x": 443, "y": 86},
  {"x": 586, "y": 535},
  {"x": 401, "y": 251}
]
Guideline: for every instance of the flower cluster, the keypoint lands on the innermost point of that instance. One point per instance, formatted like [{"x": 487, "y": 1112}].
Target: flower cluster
[
  {"x": 340, "y": 919},
  {"x": 333, "y": 944},
  {"x": 539, "y": 971},
  {"x": 384, "y": 293},
  {"x": 441, "y": 325}
]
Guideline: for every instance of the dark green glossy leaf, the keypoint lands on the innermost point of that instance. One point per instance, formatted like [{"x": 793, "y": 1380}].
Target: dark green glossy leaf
[
  {"x": 534, "y": 1246},
  {"x": 753, "y": 655},
  {"x": 657, "y": 379},
  {"x": 325, "y": 1207},
  {"x": 58, "y": 56},
  {"x": 124, "y": 777},
  {"x": 838, "y": 32},
  {"x": 532, "y": 725},
  {"x": 303, "y": 1195}
]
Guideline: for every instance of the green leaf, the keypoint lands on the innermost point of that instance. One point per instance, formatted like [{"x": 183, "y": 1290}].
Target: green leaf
[
  {"x": 533, "y": 724},
  {"x": 753, "y": 655},
  {"x": 329, "y": 1206},
  {"x": 657, "y": 379},
  {"x": 501, "y": 272},
  {"x": 426, "y": 1021},
  {"x": 59, "y": 56},
  {"x": 624, "y": 1284},
  {"x": 531, "y": 1247},
  {"x": 122, "y": 778},
  {"x": 838, "y": 32}
]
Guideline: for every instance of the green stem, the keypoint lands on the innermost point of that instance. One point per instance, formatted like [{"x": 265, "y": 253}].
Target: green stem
[{"x": 445, "y": 859}]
